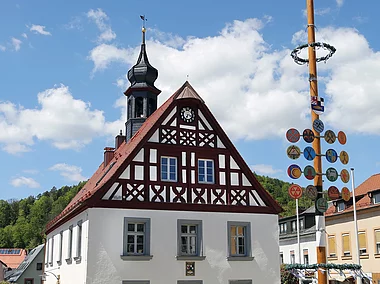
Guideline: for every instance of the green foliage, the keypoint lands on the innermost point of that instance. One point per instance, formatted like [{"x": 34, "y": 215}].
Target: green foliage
[
  {"x": 286, "y": 276},
  {"x": 279, "y": 191},
  {"x": 22, "y": 223}
]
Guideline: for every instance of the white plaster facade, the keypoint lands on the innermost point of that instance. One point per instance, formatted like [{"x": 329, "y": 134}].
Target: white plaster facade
[
  {"x": 306, "y": 243},
  {"x": 102, "y": 247}
]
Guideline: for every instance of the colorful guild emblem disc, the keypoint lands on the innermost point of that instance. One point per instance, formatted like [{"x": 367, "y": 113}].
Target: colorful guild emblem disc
[
  {"x": 343, "y": 157},
  {"x": 295, "y": 191},
  {"x": 309, "y": 172},
  {"x": 333, "y": 192},
  {"x": 318, "y": 125},
  {"x": 346, "y": 195},
  {"x": 293, "y": 152},
  {"x": 293, "y": 135},
  {"x": 331, "y": 155},
  {"x": 321, "y": 204},
  {"x": 331, "y": 174},
  {"x": 311, "y": 192},
  {"x": 309, "y": 153},
  {"x": 294, "y": 171},
  {"x": 342, "y": 137},
  {"x": 308, "y": 135},
  {"x": 330, "y": 136},
  {"x": 344, "y": 176}
]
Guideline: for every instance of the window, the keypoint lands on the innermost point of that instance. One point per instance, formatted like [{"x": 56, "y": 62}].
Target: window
[
  {"x": 346, "y": 244},
  {"x": 79, "y": 241},
  {"x": 189, "y": 282},
  {"x": 139, "y": 107},
  {"x": 39, "y": 266},
  {"x": 168, "y": 169},
  {"x": 189, "y": 237},
  {"x": 239, "y": 240},
  {"x": 281, "y": 257},
  {"x": 294, "y": 226},
  {"x": 377, "y": 240},
  {"x": 29, "y": 281},
  {"x": 205, "y": 171},
  {"x": 283, "y": 228},
  {"x": 136, "y": 237},
  {"x": 302, "y": 224},
  {"x": 305, "y": 256},
  {"x": 47, "y": 244},
  {"x": 332, "y": 246},
  {"x": 240, "y": 282},
  {"x": 60, "y": 247},
  {"x": 51, "y": 251},
  {"x": 70, "y": 244},
  {"x": 362, "y": 243},
  {"x": 136, "y": 282},
  {"x": 340, "y": 206},
  {"x": 292, "y": 257},
  {"x": 376, "y": 198}
]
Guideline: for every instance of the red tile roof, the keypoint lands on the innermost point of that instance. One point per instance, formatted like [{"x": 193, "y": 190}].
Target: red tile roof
[
  {"x": 125, "y": 150},
  {"x": 361, "y": 193},
  {"x": 13, "y": 260}
]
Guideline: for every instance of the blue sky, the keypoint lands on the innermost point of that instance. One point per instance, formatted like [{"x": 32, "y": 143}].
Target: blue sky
[{"x": 63, "y": 66}]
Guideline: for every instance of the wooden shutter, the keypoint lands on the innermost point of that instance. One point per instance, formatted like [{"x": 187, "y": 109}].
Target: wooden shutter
[
  {"x": 362, "y": 240},
  {"x": 331, "y": 244},
  {"x": 377, "y": 236},
  {"x": 346, "y": 242}
]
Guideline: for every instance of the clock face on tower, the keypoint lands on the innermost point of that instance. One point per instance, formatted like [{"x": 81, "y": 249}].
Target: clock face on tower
[{"x": 187, "y": 114}]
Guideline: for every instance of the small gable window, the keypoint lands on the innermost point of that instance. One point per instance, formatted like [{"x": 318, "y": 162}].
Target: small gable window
[
  {"x": 168, "y": 169},
  {"x": 205, "y": 171},
  {"x": 376, "y": 198},
  {"x": 340, "y": 206}
]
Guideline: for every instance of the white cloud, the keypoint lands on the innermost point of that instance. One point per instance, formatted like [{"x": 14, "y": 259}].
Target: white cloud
[
  {"x": 31, "y": 171},
  {"x": 69, "y": 172},
  {"x": 339, "y": 3},
  {"x": 2, "y": 47},
  {"x": 16, "y": 43},
  {"x": 24, "y": 35},
  {"x": 104, "y": 54},
  {"x": 101, "y": 20},
  {"x": 264, "y": 169},
  {"x": 39, "y": 30},
  {"x": 74, "y": 24},
  {"x": 24, "y": 181}
]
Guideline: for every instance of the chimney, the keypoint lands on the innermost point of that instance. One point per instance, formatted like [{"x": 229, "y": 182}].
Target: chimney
[
  {"x": 108, "y": 155},
  {"x": 119, "y": 139}
]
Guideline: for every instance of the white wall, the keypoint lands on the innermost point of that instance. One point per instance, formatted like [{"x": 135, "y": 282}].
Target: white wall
[
  {"x": 70, "y": 273},
  {"x": 306, "y": 242},
  {"x": 106, "y": 246}
]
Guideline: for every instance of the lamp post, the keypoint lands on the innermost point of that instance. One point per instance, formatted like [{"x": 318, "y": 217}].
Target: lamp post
[
  {"x": 359, "y": 279},
  {"x": 43, "y": 276}
]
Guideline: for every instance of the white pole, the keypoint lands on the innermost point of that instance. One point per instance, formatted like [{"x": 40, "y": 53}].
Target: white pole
[
  {"x": 359, "y": 279},
  {"x": 298, "y": 236}
]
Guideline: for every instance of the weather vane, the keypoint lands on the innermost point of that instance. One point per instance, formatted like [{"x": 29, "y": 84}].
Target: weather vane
[{"x": 143, "y": 26}]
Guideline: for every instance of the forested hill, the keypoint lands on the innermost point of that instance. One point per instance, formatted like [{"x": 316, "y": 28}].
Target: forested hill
[{"x": 22, "y": 222}]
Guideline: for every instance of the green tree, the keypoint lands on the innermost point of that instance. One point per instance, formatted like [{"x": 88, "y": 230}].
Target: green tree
[{"x": 5, "y": 213}]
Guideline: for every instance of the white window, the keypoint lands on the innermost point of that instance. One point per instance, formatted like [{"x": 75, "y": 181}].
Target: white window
[
  {"x": 205, "y": 171},
  {"x": 376, "y": 198},
  {"x": 377, "y": 241},
  {"x": 168, "y": 169},
  {"x": 340, "y": 206},
  {"x": 136, "y": 236},
  {"x": 305, "y": 256},
  {"x": 283, "y": 228},
  {"x": 79, "y": 242},
  {"x": 294, "y": 226},
  {"x": 70, "y": 244},
  {"x": 292, "y": 257},
  {"x": 239, "y": 239},
  {"x": 189, "y": 237}
]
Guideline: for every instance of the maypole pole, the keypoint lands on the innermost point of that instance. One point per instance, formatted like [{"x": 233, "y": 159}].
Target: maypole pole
[{"x": 319, "y": 216}]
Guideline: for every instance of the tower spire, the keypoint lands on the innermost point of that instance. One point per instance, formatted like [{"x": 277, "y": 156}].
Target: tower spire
[{"x": 143, "y": 28}]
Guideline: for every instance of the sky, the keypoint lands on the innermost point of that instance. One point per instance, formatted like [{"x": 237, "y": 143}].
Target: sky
[{"x": 63, "y": 67}]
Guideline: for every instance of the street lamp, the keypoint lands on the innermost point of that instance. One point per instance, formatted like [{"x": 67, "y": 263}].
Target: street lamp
[{"x": 43, "y": 276}]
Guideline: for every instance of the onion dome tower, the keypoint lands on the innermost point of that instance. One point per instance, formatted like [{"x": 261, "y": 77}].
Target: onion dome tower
[{"x": 142, "y": 94}]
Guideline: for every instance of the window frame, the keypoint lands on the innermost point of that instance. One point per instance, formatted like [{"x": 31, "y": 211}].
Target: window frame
[
  {"x": 146, "y": 244},
  {"x": 69, "y": 244},
  {"x": 28, "y": 279},
  {"x": 374, "y": 197},
  {"x": 247, "y": 241},
  {"x": 292, "y": 257},
  {"x": 199, "y": 239},
  {"x": 79, "y": 237},
  {"x": 293, "y": 230},
  {"x": 283, "y": 228},
  {"x": 377, "y": 244},
  {"x": 305, "y": 255},
  {"x": 360, "y": 248},
  {"x": 329, "y": 249},
  {"x": 344, "y": 253},
  {"x": 338, "y": 206},
  {"x": 168, "y": 179},
  {"x": 205, "y": 173}
]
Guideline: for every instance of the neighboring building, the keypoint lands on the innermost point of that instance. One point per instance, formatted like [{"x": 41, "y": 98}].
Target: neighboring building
[
  {"x": 340, "y": 228},
  {"x": 12, "y": 257},
  {"x": 3, "y": 269},
  {"x": 173, "y": 202},
  {"x": 30, "y": 270},
  {"x": 288, "y": 238}
]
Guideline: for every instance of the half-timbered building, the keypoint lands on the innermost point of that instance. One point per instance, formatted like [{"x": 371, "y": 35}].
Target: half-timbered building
[{"x": 172, "y": 202}]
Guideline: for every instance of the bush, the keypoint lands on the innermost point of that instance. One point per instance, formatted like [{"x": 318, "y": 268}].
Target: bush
[{"x": 287, "y": 277}]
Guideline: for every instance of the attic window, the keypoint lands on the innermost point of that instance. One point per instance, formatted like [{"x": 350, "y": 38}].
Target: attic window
[
  {"x": 340, "y": 206},
  {"x": 376, "y": 198},
  {"x": 106, "y": 172}
]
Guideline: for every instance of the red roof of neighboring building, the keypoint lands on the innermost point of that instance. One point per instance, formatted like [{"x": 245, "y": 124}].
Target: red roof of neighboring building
[
  {"x": 363, "y": 201},
  {"x": 125, "y": 150},
  {"x": 12, "y": 257}
]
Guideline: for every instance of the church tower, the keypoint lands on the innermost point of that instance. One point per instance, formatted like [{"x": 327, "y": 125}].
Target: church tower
[{"x": 142, "y": 94}]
